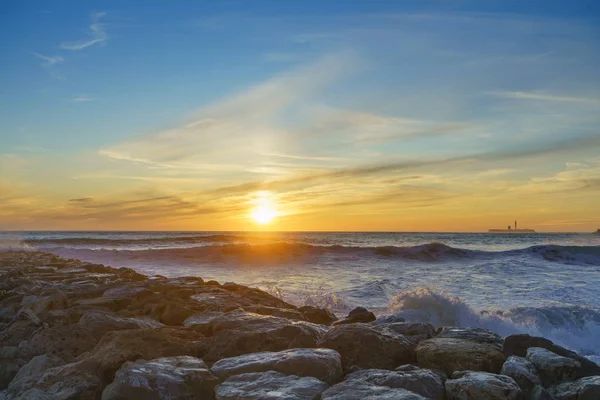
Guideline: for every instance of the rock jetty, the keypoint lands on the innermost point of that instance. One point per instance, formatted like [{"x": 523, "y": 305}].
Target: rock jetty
[{"x": 76, "y": 330}]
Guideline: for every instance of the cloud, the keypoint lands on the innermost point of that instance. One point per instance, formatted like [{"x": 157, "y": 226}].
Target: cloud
[
  {"x": 96, "y": 32},
  {"x": 49, "y": 61},
  {"x": 82, "y": 99},
  {"x": 545, "y": 97}
]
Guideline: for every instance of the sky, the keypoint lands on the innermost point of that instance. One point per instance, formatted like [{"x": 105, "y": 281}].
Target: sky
[{"x": 332, "y": 115}]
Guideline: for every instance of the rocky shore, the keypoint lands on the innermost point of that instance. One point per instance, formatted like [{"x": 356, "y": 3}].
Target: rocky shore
[{"x": 76, "y": 330}]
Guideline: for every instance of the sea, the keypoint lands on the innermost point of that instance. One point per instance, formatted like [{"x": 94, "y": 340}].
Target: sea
[{"x": 542, "y": 284}]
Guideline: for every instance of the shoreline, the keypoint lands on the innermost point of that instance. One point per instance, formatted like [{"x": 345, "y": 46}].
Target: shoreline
[{"x": 71, "y": 329}]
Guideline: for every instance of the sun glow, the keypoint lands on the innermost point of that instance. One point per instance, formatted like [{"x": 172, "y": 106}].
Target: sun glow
[{"x": 264, "y": 212}]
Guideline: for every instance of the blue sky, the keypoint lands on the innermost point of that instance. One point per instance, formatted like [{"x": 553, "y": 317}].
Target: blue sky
[{"x": 391, "y": 115}]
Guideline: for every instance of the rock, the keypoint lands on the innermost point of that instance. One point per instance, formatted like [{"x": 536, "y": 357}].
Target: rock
[
  {"x": 539, "y": 393},
  {"x": 17, "y": 332},
  {"x": 450, "y": 355},
  {"x": 202, "y": 320},
  {"x": 552, "y": 367},
  {"x": 117, "y": 347},
  {"x": 389, "y": 319},
  {"x": 168, "y": 312},
  {"x": 359, "y": 314},
  {"x": 100, "y": 322},
  {"x": 323, "y": 364},
  {"x": 130, "y": 275},
  {"x": 40, "y": 304},
  {"x": 10, "y": 363},
  {"x": 523, "y": 372},
  {"x": 276, "y": 312},
  {"x": 317, "y": 315},
  {"x": 478, "y": 335},
  {"x": 180, "y": 377},
  {"x": 587, "y": 388},
  {"x": 64, "y": 341},
  {"x": 32, "y": 371},
  {"x": 423, "y": 382},
  {"x": 518, "y": 345},
  {"x": 368, "y": 347},
  {"x": 71, "y": 381},
  {"x": 466, "y": 385},
  {"x": 354, "y": 389},
  {"x": 239, "y": 332},
  {"x": 270, "y": 386},
  {"x": 415, "y": 330}
]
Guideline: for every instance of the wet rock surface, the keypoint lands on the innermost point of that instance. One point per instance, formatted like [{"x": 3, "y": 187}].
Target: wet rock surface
[{"x": 77, "y": 330}]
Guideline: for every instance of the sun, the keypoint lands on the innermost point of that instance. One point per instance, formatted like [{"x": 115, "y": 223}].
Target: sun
[{"x": 264, "y": 212}]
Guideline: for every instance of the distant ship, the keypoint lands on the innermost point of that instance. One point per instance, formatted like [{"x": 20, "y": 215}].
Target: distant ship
[{"x": 515, "y": 230}]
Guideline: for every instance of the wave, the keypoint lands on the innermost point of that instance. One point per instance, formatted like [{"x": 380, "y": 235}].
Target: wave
[
  {"x": 214, "y": 247},
  {"x": 574, "y": 327}
]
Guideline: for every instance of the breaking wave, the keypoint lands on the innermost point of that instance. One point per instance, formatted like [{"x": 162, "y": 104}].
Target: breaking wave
[{"x": 574, "y": 327}]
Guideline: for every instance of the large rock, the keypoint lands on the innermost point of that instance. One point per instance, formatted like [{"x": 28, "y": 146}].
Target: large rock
[
  {"x": 183, "y": 377},
  {"x": 64, "y": 341},
  {"x": 317, "y": 315},
  {"x": 276, "y": 312},
  {"x": 239, "y": 332},
  {"x": 518, "y": 345},
  {"x": 552, "y": 367},
  {"x": 10, "y": 363},
  {"x": 523, "y": 372},
  {"x": 416, "y": 331},
  {"x": 450, "y": 355},
  {"x": 587, "y": 388},
  {"x": 117, "y": 347},
  {"x": 358, "y": 315},
  {"x": 478, "y": 335},
  {"x": 367, "y": 346},
  {"x": 100, "y": 322},
  {"x": 32, "y": 371},
  {"x": 66, "y": 382},
  {"x": 323, "y": 364},
  {"x": 423, "y": 382},
  {"x": 356, "y": 389},
  {"x": 270, "y": 386},
  {"x": 469, "y": 385}
]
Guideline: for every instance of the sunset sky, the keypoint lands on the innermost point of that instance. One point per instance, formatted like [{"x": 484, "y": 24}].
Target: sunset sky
[{"x": 334, "y": 115}]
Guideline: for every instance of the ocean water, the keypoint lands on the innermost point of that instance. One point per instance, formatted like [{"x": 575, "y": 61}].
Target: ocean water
[{"x": 542, "y": 284}]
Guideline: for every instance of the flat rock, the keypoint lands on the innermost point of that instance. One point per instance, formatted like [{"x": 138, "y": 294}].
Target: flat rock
[
  {"x": 523, "y": 372},
  {"x": 466, "y": 385},
  {"x": 317, "y": 315},
  {"x": 358, "y": 315},
  {"x": 552, "y": 367},
  {"x": 587, "y": 388},
  {"x": 183, "y": 377},
  {"x": 366, "y": 346},
  {"x": 270, "y": 386},
  {"x": 450, "y": 355},
  {"x": 100, "y": 322},
  {"x": 355, "y": 389},
  {"x": 276, "y": 312},
  {"x": 423, "y": 382},
  {"x": 518, "y": 345},
  {"x": 478, "y": 335},
  {"x": 323, "y": 364}
]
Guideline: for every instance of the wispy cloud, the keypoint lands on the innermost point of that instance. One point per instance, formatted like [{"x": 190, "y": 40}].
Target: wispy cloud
[
  {"x": 96, "y": 34},
  {"x": 82, "y": 99},
  {"x": 48, "y": 61},
  {"x": 545, "y": 97}
]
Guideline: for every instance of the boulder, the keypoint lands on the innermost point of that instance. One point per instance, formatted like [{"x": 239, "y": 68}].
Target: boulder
[
  {"x": 180, "y": 377},
  {"x": 317, "y": 315},
  {"x": 366, "y": 346},
  {"x": 416, "y": 331},
  {"x": 202, "y": 320},
  {"x": 64, "y": 341},
  {"x": 466, "y": 385},
  {"x": 66, "y": 382},
  {"x": 358, "y": 315},
  {"x": 214, "y": 298},
  {"x": 523, "y": 372},
  {"x": 239, "y": 332},
  {"x": 478, "y": 335},
  {"x": 423, "y": 382},
  {"x": 100, "y": 322},
  {"x": 40, "y": 304},
  {"x": 552, "y": 367},
  {"x": 518, "y": 345},
  {"x": 355, "y": 389},
  {"x": 450, "y": 355},
  {"x": 276, "y": 312},
  {"x": 389, "y": 319},
  {"x": 32, "y": 371},
  {"x": 540, "y": 393},
  {"x": 323, "y": 364},
  {"x": 270, "y": 385},
  {"x": 587, "y": 388},
  {"x": 17, "y": 332},
  {"x": 117, "y": 347}
]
